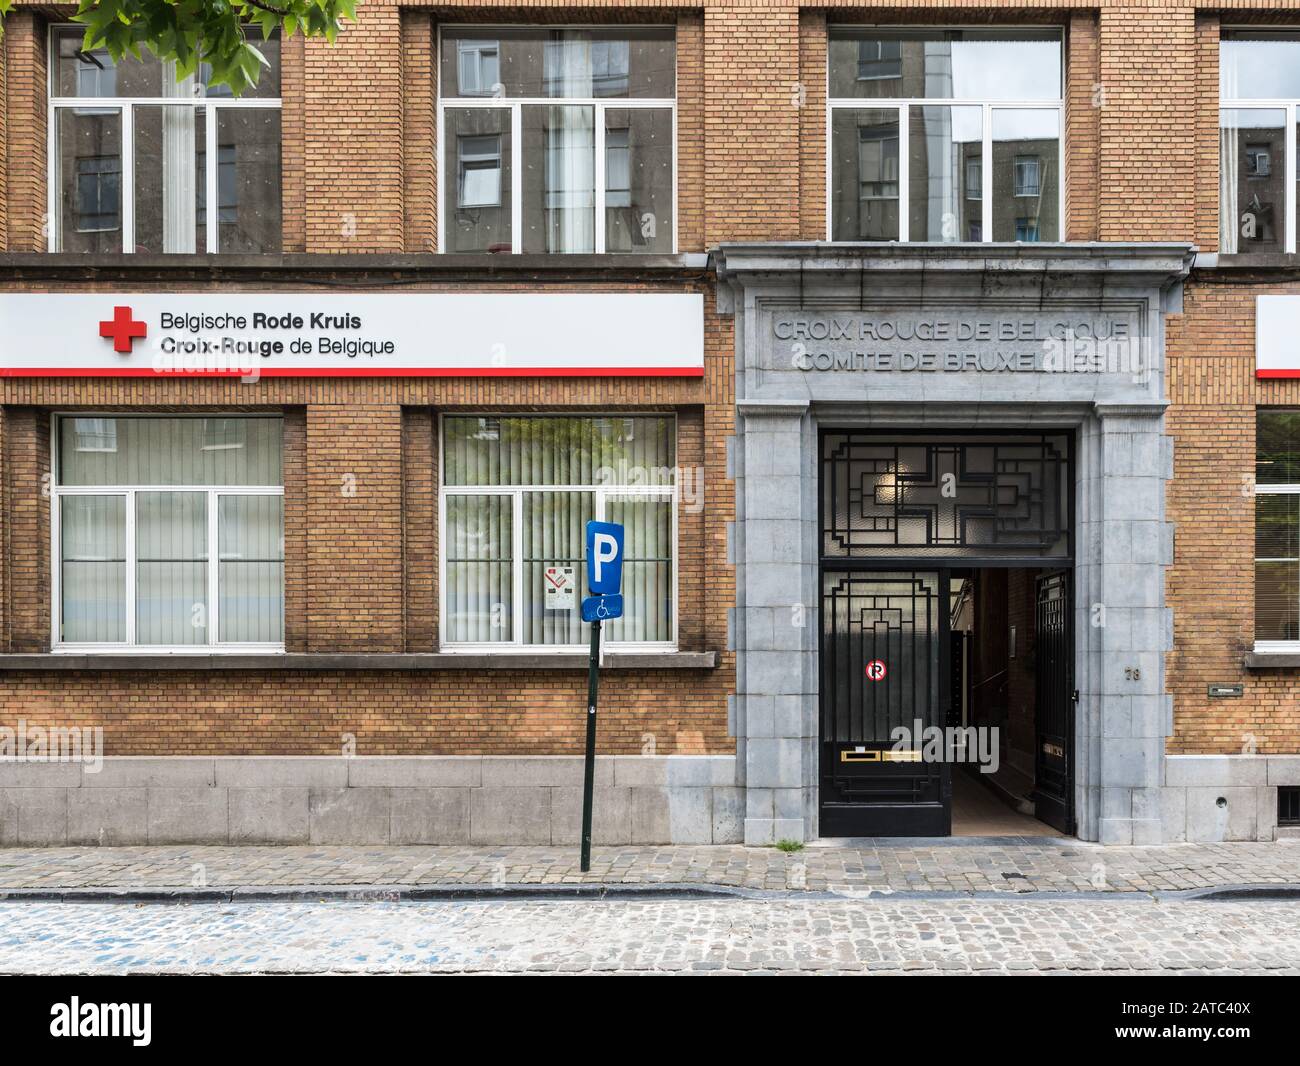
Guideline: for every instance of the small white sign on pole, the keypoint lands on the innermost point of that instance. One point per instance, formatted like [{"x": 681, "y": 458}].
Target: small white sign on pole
[{"x": 560, "y": 588}]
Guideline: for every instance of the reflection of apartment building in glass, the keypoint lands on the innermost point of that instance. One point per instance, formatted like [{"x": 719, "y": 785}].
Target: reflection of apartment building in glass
[
  {"x": 936, "y": 91},
  {"x": 177, "y": 145}
]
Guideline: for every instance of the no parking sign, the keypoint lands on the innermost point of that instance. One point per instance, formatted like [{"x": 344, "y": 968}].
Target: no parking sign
[{"x": 876, "y": 670}]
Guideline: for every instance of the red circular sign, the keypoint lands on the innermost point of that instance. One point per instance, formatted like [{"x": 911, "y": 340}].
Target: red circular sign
[{"x": 876, "y": 670}]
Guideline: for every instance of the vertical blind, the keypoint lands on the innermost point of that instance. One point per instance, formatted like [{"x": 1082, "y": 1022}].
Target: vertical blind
[
  {"x": 518, "y": 493},
  {"x": 140, "y": 501}
]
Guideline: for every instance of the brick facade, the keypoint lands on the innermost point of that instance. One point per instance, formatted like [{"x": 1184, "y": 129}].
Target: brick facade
[{"x": 360, "y": 176}]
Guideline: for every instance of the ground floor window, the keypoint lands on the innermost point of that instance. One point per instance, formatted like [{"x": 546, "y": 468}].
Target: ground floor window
[
  {"x": 517, "y": 493},
  {"x": 1277, "y": 526},
  {"x": 168, "y": 533}
]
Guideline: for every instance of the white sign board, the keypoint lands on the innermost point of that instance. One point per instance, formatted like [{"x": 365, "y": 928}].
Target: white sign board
[
  {"x": 559, "y": 588},
  {"x": 1277, "y": 336},
  {"x": 336, "y": 334}
]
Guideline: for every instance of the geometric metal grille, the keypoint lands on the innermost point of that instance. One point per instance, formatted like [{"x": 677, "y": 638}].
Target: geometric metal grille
[
  {"x": 896, "y": 619},
  {"x": 950, "y": 496}
]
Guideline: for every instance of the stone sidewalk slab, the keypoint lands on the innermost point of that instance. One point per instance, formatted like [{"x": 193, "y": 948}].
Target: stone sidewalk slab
[{"x": 1017, "y": 866}]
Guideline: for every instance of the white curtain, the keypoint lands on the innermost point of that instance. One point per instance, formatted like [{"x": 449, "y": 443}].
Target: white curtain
[
  {"x": 250, "y": 568},
  {"x": 180, "y": 197},
  {"x": 570, "y": 179},
  {"x": 92, "y": 536},
  {"x": 171, "y": 568},
  {"x": 1229, "y": 182},
  {"x": 571, "y": 463},
  {"x": 170, "y": 451}
]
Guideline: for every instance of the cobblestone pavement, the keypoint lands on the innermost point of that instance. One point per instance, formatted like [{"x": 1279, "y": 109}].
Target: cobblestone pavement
[
  {"x": 1044, "y": 865},
  {"x": 1002, "y": 935}
]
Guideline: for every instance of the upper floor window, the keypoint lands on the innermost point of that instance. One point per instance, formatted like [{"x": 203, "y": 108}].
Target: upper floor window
[
  {"x": 557, "y": 139},
  {"x": 1259, "y": 91},
  {"x": 135, "y": 156},
  {"x": 918, "y": 117}
]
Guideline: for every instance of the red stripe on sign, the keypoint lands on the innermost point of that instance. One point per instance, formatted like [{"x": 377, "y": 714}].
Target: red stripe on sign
[
  {"x": 1278, "y": 373},
  {"x": 363, "y": 372}
]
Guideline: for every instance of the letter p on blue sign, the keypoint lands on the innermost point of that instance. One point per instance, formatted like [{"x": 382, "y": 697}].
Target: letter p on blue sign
[{"x": 604, "y": 558}]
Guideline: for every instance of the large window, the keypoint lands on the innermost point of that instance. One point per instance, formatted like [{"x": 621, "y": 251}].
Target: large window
[
  {"x": 136, "y": 156},
  {"x": 516, "y": 496},
  {"x": 168, "y": 534},
  {"x": 557, "y": 139},
  {"x": 1259, "y": 91},
  {"x": 945, "y": 135},
  {"x": 1277, "y": 527}
]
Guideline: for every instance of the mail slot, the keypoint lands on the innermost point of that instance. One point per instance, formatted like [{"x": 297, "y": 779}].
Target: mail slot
[
  {"x": 909, "y": 755},
  {"x": 859, "y": 756}
]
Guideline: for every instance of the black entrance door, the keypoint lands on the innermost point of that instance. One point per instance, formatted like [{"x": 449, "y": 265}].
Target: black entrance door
[
  {"x": 884, "y": 679},
  {"x": 1054, "y": 707},
  {"x": 901, "y": 513}
]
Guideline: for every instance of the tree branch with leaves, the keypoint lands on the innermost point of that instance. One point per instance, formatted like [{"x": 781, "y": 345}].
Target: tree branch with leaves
[{"x": 214, "y": 32}]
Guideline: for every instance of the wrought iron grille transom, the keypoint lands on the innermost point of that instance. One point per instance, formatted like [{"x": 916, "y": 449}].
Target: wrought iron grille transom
[{"x": 891, "y": 495}]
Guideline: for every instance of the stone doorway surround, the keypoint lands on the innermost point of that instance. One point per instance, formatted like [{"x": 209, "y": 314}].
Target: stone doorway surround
[{"x": 1010, "y": 335}]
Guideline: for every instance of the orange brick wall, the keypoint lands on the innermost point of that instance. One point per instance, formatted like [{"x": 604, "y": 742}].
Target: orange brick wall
[{"x": 1213, "y": 394}]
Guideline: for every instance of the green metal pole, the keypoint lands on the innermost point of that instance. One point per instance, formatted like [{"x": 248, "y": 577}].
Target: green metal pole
[{"x": 589, "y": 768}]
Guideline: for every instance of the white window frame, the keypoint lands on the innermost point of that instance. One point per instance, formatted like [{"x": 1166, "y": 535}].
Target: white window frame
[
  {"x": 904, "y": 105},
  {"x": 212, "y": 646},
  {"x": 1291, "y": 107},
  {"x": 600, "y": 495},
  {"x": 516, "y": 104},
  {"x": 124, "y": 108}
]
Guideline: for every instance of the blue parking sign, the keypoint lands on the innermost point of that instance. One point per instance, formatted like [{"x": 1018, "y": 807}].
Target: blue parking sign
[
  {"x": 604, "y": 558},
  {"x": 602, "y": 608}
]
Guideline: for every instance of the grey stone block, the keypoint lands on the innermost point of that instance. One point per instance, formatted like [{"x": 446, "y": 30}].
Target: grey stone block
[
  {"x": 108, "y": 816},
  {"x": 1133, "y": 762},
  {"x": 268, "y": 815},
  {"x": 1266, "y": 812},
  {"x": 774, "y": 763},
  {"x": 434, "y": 771},
  {"x": 430, "y": 816},
  {"x": 760, "y": 832},
  {"x": 147, "y": 771},
  {"x": 348, "y": 815},
  {"x": 33, "y": 817},
  {"x": 506, "y": 815},
  {"x": 15, "y": 774},
  {"x": 637, "y": 771},
  {"x": 188, "y": 816},
  {"x": 611, "y": 816},
  {"x": 1213, "y": 771},
  {"x": 789, "y": 829},
  {"x": 728, "y": 815},
  {"x": 1283, "y": 769},
  {"x": 1235, "y": 819},
  {"x": 541, "y": 771},
  {"x": 672, "y": 816},
  {"x": 1173, "y": 815},
  {"x": 281, "y": 771}
]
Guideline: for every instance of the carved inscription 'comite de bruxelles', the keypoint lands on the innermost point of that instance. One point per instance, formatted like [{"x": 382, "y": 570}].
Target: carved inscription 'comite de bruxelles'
[{"x": 1078, "y": 343}]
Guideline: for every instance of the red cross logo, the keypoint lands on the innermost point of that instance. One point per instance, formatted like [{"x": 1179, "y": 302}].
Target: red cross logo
[{"x": 122, "y": 328}]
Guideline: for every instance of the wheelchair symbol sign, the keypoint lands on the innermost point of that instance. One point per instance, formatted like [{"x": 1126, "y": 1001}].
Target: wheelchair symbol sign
[{"x": 602, "y": 608}]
